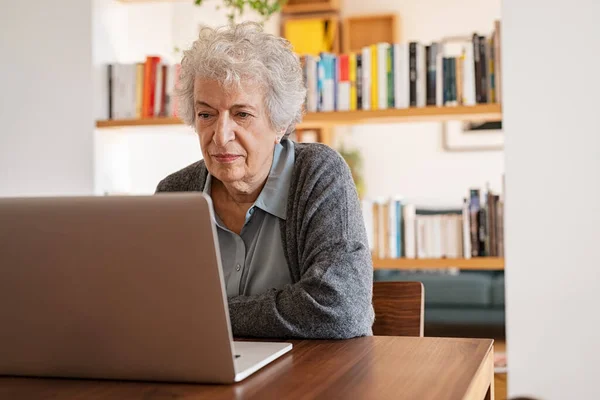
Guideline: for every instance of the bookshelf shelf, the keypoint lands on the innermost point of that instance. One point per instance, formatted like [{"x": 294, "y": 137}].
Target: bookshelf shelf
[
  {"x": 477, "y": 263},
  {"x": 315, "y": 120}
]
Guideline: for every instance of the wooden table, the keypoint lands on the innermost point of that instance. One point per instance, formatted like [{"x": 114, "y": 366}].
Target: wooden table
[{"x": 364, "y": 368}]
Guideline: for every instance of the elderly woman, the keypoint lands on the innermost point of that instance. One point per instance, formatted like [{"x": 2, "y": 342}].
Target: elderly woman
[{"x": 293, "y": 244}]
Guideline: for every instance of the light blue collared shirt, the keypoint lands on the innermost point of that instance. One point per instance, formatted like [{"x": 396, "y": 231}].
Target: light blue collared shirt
[{"x": 254, "y": 261}]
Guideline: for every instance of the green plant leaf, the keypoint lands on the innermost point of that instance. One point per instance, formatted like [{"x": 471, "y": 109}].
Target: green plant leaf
[{"x": 264, "y": 8}]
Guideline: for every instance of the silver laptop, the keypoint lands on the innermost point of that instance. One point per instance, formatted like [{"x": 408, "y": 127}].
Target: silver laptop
[{"x": 118, "y": 288}]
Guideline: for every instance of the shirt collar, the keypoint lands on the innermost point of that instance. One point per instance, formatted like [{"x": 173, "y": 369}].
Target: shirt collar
[{"x": 274, "y": 195}]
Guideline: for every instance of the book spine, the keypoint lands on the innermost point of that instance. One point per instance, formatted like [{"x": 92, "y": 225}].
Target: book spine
[
  {"x": 344, "y": 85},
  {"x": 431, "y": 53},
  {"x": 404, "y": 76},
  {"x": 139, "y": 89},
  {"x": 497, "y": 62},
  {"x": 335, "y": 62},
  {"x": 399, "y": 229},
  {"x": 413, "y": 73},
  {"x": 474, "y": 206},
  {"x": 483, "y": 67},
  {"x": 421, "y": 76},
  {"x": 382, "y": 56},
  {"x": 453, "y": 94},
  {"x": 410, "y": 238},
  {"x": 374, "y": 78},
  {"x": 391, "y": 88},
  {"x": 393, "y": 229},
  {"x": 439, "y": 88},
  {"x": 352, "y": 66},
  {"x": 491, "y": 79},
  {"x": 446, "y": 85},
  {"x": 466, "y": 230},
  {"x": 131, "y": 90},
  {"x": 459, "y": 80},
  {"x": 469, "y": 80},
  {"x": 477, "y": 67},
  {"x": 163, "y": 99},
  {"x": 110, "y": 72},
  {"x": 397, "y": 75},
  {"x": 366, "y": 87},
  {"x": 359, "y": 82},
  {"x": 320, "y": 83}
]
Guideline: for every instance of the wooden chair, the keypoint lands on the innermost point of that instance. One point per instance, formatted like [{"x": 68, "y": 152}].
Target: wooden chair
[{"x": 399, "y": 308}]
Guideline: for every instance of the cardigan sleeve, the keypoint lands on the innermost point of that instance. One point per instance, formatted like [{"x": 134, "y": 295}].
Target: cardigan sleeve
[{"x": 326, "y": 243}]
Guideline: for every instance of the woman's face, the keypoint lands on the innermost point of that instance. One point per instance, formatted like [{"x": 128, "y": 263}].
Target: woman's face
[{"x": 236, "y": 136}]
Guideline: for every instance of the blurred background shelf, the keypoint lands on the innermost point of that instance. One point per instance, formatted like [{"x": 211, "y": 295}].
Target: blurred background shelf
[
  {"x": 421, "y": 114},
  {"x": 476, "y": 263}
]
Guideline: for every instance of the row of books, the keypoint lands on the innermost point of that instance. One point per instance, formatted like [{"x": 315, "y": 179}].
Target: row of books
[
  {"x": 397, "y": 229},
  {"x": 142, "y": 90},
  {"x": 402, "y": 75}
]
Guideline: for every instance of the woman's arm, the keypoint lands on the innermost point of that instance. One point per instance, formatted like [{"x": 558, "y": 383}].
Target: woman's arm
[{"x": 333, "y": 297}]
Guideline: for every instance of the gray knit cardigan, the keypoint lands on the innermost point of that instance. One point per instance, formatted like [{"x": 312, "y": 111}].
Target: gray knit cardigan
[{"x": 327, "y": 252}]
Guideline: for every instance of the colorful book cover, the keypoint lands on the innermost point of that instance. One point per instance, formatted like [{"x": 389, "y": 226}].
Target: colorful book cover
[
  {"x": 366, "y": 75},
  {"x": 390, "y": 77},
  {"x": 353, "y": 96},
  {"x": 374, "y": 78}
]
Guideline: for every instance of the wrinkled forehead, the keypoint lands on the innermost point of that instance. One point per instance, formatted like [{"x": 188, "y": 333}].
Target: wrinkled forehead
[{"x": 217, "y": 92}]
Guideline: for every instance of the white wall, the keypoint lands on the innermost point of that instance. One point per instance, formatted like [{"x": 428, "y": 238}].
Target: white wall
[
  {"x": 46, "y": 112},
  {"x": 552, "y": 209}
]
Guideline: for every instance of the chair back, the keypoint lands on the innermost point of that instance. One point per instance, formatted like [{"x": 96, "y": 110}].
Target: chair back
[{"x": 399, "y": 308}]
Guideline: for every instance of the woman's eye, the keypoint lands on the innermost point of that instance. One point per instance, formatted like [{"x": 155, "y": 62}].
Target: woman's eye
[
  {"x": 243, "y": 114},
  {"x": 203, "y": 115}
]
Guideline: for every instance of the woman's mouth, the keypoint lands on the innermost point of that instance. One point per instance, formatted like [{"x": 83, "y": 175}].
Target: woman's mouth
[{"x": 226, "y": 157}]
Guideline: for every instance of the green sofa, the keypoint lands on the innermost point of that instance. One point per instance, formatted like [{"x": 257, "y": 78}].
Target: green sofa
[{"x": 465, "y": 298}]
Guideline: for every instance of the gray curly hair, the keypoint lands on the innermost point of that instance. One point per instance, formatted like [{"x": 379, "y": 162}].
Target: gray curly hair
[{"x": 244, "y": 52}]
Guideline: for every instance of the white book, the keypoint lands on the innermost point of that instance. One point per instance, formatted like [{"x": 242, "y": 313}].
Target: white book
[
  {"x": 393, "y": 229},
  {"x": 449, "y": 234},
  {"x": 410, "y": 235},
  {"x": 436, "y": 227},
  {"x": 466, "y": 230},
  {"x": 381, "y": 233},
  {"x": 119, "y": 92},
  {"x": 366, "y": 78},
  {"x": 130, "y": 88},
  {"x": 401, "y": 75},
  {"x": 421, "y": 76},
  {"x": 421, "y": 240},
  {"x": 445, "y": 236},
  {"x": 469, "y": 96},
  {"x": 382, "y": 89},
  {"x": 458, "y": 249},
  {"x": 328, "y": 95},
  {"x": 344, "y": 96}
]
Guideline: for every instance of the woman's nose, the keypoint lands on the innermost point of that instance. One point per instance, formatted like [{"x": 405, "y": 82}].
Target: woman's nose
[{"x": 224, "y": 132}]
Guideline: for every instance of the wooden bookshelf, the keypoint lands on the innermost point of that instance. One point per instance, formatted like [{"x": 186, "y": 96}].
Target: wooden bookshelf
[
  {"x": 310, "y": 6},
  {"x": 364, "y": 30},
  {"x": 118, "y": 123},
  {"x": 476, "y": 263},
  {"x": 315, "y": 120}
]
